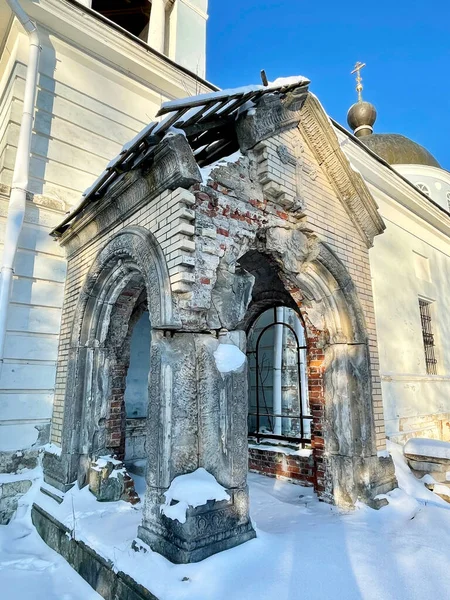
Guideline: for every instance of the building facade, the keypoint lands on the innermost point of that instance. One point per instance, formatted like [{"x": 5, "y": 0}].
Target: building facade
[
  {"x": 410, "y": 266},
  {"x": 100, "y": 81}
]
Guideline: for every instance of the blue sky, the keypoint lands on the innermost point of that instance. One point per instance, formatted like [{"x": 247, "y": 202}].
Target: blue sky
[{"x": 405, "y": 44}]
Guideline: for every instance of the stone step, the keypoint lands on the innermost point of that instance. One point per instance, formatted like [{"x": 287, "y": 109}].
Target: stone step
[{"x": 53, "y": 493}]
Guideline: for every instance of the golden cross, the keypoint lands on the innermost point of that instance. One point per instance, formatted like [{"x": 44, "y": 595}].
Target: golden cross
[{"x": 357, "y": 70}]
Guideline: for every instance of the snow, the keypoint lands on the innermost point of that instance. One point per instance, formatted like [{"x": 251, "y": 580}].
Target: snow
[
  {"x": 304, "y": 549},
  {"x": 206, "y": 171},
  {"x": 440, "y": 488},
  {"x": 228, "y": 358},
  {"x": 427, "y": 447},
  {"x": 383, "y": 454},
  {"x": 52, "y": 449},
  {"x": 223, "y": 94},
  {"x": 283, "y": 81},
  {"x": 29, "y": 569},
  {"x": 193, "y": 489},
  {"x": 304, "y": 452}
]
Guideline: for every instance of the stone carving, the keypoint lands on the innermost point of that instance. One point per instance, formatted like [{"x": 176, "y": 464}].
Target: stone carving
[{"x": 249, "y": 246}]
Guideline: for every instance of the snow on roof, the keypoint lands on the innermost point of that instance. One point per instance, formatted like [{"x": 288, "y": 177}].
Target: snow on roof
[
  {"x": 202, "y": 99},
  {"x": 196, "y": 116}
]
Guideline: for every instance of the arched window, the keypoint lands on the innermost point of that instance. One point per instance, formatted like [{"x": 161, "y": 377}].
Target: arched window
[
  {"x": 278, "y": 389},
  {"x": 133, "y": 16}
]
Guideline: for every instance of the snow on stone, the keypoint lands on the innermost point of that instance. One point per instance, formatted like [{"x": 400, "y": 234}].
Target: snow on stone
[
  {"x": 193, "y": 489},
  {"x": 228, "y": 358},
  {"x": 441, "y": 489},
  {"x": 383, "y": 454},
  {"x": 427, "y": 447},
  {"x": 283, "y": 81},
  {"x": 223, "y": 94},
  {"x": 304, "y": 452},
  {"x": 206, "y": 171},
  {"x": 52, "y": 449}
]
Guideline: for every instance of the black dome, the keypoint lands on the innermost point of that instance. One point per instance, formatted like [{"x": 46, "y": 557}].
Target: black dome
[{"x": 361, "y": 116}]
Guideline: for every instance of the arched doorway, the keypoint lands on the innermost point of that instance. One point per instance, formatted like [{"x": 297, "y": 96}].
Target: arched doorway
[{"x": 278, "y": 384}]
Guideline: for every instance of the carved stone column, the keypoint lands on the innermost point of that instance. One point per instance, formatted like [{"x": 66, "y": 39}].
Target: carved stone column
[{"x": 197, "y": 418}]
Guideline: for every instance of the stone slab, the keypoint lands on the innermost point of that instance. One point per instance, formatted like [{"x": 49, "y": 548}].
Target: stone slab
[{"x": 93, "y": 568}]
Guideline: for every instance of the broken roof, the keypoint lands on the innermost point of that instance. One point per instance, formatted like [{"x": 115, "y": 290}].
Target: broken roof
[{"x": 204, "y": 120}]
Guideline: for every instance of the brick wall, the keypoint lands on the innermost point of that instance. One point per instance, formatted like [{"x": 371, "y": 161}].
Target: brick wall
[{"x": 300, "y": 469}]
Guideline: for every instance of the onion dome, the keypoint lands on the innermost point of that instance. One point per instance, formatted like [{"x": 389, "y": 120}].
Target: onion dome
[
  {"x": 397, "y": 149},
  {"x": 361, "y": 118}
]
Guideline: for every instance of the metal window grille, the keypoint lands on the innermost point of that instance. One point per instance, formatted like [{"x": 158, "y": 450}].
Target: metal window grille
[
  {"x": 265, "y": 413},
  {"x": 428, "y": 337}
]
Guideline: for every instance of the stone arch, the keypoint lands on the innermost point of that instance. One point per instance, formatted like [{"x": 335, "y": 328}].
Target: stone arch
[
  {"x": 311, "y": 276},
  {"x": 128, "y": 272}
]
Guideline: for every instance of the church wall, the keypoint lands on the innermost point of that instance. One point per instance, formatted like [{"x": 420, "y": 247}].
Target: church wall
[
  {"x": 411, "y": 260},
  {"x": 87, "y": 107}
]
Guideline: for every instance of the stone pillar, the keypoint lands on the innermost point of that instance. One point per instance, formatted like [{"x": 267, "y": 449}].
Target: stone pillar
[
  {"x": 353, "y": 468},
  {"x": 197, "y": 418},
  {"x": 157, "y": 25}
]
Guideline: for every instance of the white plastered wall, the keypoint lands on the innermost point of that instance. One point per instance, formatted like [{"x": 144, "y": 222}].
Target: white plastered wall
[
  {"x": 411, "y": 259},
  {"x": 87, "y": 107}
]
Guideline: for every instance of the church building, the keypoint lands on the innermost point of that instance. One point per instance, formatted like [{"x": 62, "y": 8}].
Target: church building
[{"x": 246, "y": 285}]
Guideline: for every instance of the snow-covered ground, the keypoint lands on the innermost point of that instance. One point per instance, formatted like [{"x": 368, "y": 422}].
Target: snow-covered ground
[
  {"x": 304, "y": 549},
  {"x": 29, "y": 569}
]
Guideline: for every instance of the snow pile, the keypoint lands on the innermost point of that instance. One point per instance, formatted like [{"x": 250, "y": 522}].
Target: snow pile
[
  {"x": 427, "y": 447},
  {"x": 193, "y": 489},
  {"x": 229, "y": 358},
  {"x": 304, "y": 452},
  {"x": 29, "y": 569},
  {"x": 52, "y": 449}
]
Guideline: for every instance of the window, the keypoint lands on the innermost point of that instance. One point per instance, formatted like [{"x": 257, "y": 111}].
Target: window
[
  {"x": 428, "y": 337},
  {"x": 278, "y": 390},
  {"x": 424, "y": 188},
  {"x": 133, "y": 16}
]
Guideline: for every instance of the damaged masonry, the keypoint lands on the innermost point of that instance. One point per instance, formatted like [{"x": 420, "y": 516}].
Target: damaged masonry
[{"x": 235, "y": 203}]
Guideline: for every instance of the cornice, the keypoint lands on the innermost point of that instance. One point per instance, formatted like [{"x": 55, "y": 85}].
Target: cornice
[
  {"x": 393, "y": 185},
  {"x": 348, "y": 184}
]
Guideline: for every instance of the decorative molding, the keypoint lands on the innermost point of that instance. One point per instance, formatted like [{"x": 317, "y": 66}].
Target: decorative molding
[
  {"x": 173, "y": 166},
  {"x": 271, "y": 115},
  {"x": 348, "y": 184}
]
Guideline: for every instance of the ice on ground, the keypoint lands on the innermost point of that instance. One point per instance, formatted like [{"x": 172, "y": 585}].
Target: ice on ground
[
  {"x": 427, "y": 447},
  {"x": 193, "y": 489},
  {"x": 229, "y": 358}
]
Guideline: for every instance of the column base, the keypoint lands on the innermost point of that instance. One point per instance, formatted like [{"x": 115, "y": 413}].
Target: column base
[{"x": 211, "y": 528}]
